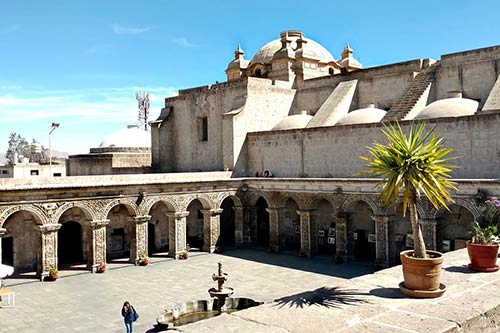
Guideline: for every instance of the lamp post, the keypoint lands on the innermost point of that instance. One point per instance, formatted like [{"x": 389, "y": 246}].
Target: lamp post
[{"x": 53, "y": 127}]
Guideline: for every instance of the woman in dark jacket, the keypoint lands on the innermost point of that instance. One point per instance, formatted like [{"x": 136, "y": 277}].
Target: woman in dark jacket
[{"x": 129, "y": 315}]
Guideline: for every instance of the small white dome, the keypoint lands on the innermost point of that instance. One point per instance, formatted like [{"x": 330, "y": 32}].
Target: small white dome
[
  {"x": 362, "y": 116},
  {"x": 294, "y": 121},
  {"x": 130, "y": 137},
  {"x": 449, "y": 107}
]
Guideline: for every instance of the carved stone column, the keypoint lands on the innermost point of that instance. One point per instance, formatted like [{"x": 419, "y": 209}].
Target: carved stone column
[
  {"x": 98, "y": 239},
  {"x": 305, "y": 232},
  {"x": 340, "y": 236},
  {"x": 139, "y": 244},
  {"x": 176, "y": 233},
  {"x": 238, "y": 225},
  {"x": 275, "y": 228},
  {"x": 382, "y": 237},
  {"x": 3, "y": 232},
  {"x": 48, "y": 251},
  {"x": 429, "y": 232},
  {"x": 211, "y": 228},
  {"x": 249, "y": 224}
]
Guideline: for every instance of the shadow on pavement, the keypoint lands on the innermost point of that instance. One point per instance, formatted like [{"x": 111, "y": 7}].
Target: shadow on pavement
[
  {"x": 392, "y": 293},
  {"x": 320, "y": 264},
  {"x": 324, "y": 296},
  {"x": 459, "y": 269}
]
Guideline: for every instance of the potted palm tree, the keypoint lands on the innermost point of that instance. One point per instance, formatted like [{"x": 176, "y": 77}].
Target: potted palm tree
[
  {"x": 483, "y": 248},
  {"x": 410, "y": 165},
  {"x": 53, "y": 273},
  {"x": 143, "y": 259}
]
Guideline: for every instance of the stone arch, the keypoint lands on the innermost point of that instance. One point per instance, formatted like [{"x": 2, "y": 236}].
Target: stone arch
[
  {"x": 85, "y": 208},
  {"x": 202, "y": 198},
  {"x": 128, "y": 203},
  {"x": 236, "y": 200},
  {"x": 420, "y": 209},
  {"x": 468, "y": 204},
  {"x": 38, "y": 214},
  {"x": 253, "y": 196},
  {"x": 366, "y": 199},
  {"x": 145, "y": 207}
]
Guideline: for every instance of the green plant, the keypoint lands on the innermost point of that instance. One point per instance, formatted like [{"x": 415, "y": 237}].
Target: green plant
[
  {"x": 143, "y": 257},
  {"x": 485, "y": 235},
  {"x": 53, "y": 271},
  {"x": 411, "y": 164}
]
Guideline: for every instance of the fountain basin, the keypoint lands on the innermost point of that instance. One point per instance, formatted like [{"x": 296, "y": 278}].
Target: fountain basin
[
  {"x": 226, "y": 292},
  {"x": 191, "y": 312}
]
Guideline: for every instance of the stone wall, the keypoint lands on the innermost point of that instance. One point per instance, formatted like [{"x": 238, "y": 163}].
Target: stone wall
[{"x": 335, "y": 151}]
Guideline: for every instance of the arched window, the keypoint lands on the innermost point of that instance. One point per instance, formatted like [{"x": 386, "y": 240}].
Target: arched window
[
  {"x": 330, "y": 71},
  {"x": 258, "y": 72}
]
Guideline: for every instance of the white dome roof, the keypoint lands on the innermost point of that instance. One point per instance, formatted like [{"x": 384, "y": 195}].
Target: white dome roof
[
  {"x": 362, "y": 116},
  {"x": 294, "y": 121},
  {"x": 130, "y": 137},
  {"x": 449, "y": 107},
  {"x": 314, "y": 49}
]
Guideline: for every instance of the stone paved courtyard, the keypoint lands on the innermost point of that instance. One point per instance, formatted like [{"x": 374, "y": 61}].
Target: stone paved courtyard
[{"x": 92, "y": 302}]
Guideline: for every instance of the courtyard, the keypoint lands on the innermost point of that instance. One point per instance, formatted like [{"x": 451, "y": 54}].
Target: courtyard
[{"x": 85, "y": 302}]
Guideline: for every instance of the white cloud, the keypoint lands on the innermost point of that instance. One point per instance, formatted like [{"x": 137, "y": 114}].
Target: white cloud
[
  {"x": 90, "y": 113},
  {"x": 184, "y": 42},
  {"x": 122, "y": 30}
]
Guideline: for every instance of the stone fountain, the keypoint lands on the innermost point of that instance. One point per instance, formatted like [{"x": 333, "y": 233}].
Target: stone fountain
[
  {"x": 221, "y": 302},
  {"x": 221, "y": 293}
]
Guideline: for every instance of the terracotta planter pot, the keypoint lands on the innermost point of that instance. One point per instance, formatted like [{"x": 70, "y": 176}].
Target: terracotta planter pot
[
  {"x": 483, "y": 258},
  {"x": 144, "y": 262},
  {"x": 52, "y": 277},
  {"x": 422, "y": 274}
]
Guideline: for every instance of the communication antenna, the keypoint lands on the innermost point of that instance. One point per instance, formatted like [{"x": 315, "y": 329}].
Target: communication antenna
[{"x": 143, "y": 101}]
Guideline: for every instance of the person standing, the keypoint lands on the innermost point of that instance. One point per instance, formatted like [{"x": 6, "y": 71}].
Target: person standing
[{"x": 129, "y": 316}]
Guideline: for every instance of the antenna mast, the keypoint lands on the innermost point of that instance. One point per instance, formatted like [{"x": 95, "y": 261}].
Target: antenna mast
[{"x": 143, "y": 101}]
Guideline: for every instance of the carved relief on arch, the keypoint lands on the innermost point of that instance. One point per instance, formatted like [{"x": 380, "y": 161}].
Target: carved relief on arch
[
  {"x": 304, "y": 200},
  {"x": 335, "y": 200},
  {"x": 366, "y": 199},
  {"x": 223, "y": 196},
  {"x": 468, "y": 204},
  {"x": 146, "y": 205},
  {"x": 83, "y": 206},
  {"x": 202, "y": 198},
  {"x": 130, "y": 204},
  {"x": 39, "y": 215},
  {"x": 251, "y": 196}
]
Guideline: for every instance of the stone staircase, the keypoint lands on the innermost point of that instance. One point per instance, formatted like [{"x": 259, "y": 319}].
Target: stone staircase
[{"x": 413, "y": 94}]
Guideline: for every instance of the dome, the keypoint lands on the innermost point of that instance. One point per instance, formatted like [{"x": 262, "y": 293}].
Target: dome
[
  {"x": 362, "y": 116},
  {"x": 314, "y": 49},
  {"x": 131, "y": 137},
  {"x": 293, "y": 121},
  {"x": 449, "y": 107}
]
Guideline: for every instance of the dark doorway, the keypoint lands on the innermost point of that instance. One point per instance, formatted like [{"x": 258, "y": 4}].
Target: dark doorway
[
  {"x": 69, "y": 240},
  {"x": 227, "y": 228},
  {"x": 8, "y": 251},
  {"x": 151, "y": 239},
  {"x": 262, "y": 223}
]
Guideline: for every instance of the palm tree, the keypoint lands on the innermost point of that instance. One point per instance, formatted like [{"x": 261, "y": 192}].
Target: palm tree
[{"x": 410, "y": 165}]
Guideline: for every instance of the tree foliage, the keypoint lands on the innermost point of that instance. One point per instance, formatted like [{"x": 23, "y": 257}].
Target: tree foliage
[
  {"x": 409, "y": 165},
  {"x": 17, "y": 144}
]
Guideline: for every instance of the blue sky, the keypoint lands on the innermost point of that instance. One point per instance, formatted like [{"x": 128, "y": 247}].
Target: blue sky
[{"x": 79, "y": 63}]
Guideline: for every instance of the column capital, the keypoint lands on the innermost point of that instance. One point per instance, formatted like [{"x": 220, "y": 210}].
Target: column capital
[
  {"x": 177, "y": 215},
  {"x": 306, "y": 212},
  {"x": 99, "y": 223},
  {"x": 3, "y": 232},
  {"x": 273, "y": 209},
  {"x": 237, "y": 208},
  {"x": 380, "y": 218},
  {"x": 142, "y": 218},
  {"x": 48, "y": 228},
  {"x": 212, "y": 212}
]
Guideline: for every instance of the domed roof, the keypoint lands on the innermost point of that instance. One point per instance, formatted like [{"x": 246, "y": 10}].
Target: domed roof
[
  {"x": 449, "y": 107},
  {"x": 293, "y": 121},
  {"x": 362, "y": 116},
  {"x": 314, "y": 49},
  {"x": 130, "y": 137}
]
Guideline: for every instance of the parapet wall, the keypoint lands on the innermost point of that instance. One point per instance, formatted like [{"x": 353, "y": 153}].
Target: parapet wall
[{"x": 335, "y": 151}]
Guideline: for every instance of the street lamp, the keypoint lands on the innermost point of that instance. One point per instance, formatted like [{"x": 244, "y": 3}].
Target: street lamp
[{"x": 53, "y": 127}]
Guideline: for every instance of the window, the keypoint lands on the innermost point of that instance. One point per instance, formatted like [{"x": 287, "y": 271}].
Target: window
[
  {"x": 203, "y": 129},
  {"x": 258, "y": 72},
  {"x": 330, "y": 71},
  {"x": 57, "y": 174},
  {"x": 34, "y": 172},
  {"x": 5, "y": 172}
]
